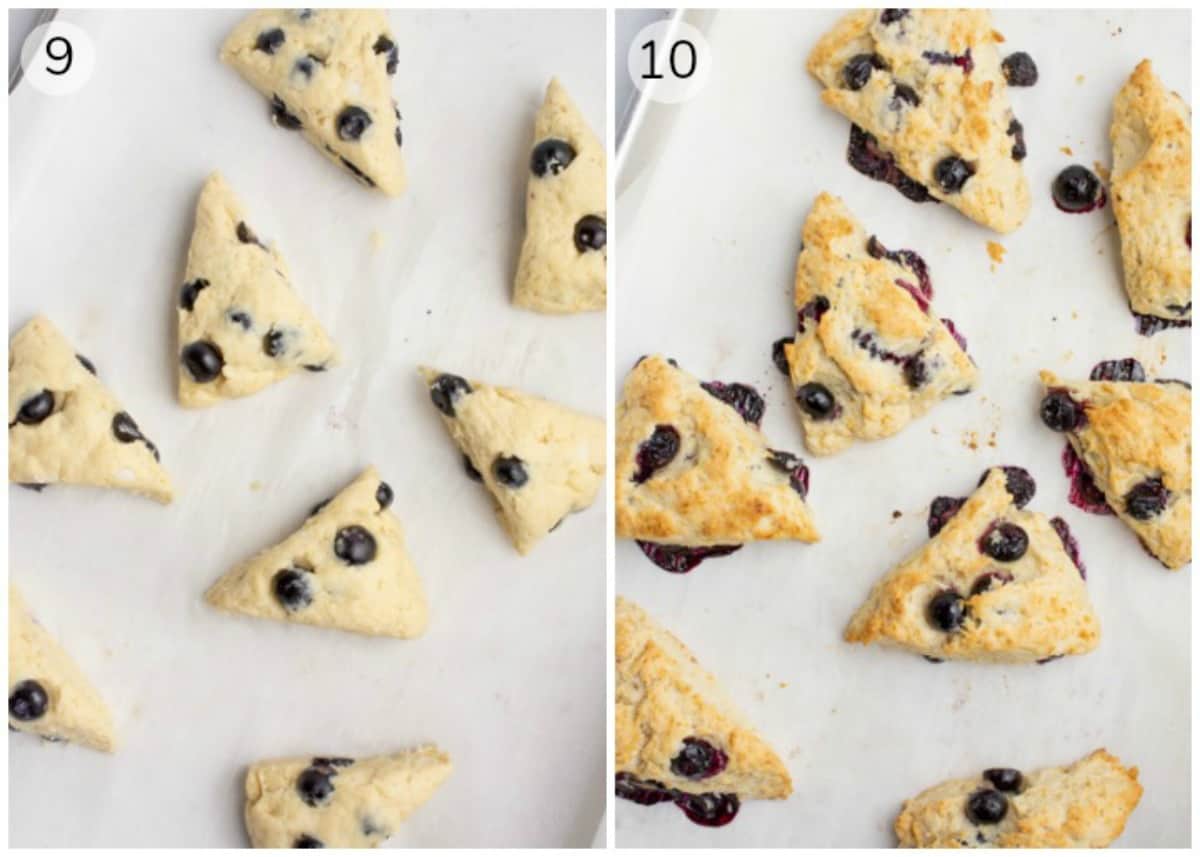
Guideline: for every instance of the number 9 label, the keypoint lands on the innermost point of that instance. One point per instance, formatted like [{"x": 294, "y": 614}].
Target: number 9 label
[
  {"x": 670, "y": 61},
  {"x": 58, "y": 58}
]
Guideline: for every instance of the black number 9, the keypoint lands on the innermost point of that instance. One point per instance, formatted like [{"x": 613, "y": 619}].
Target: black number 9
[{"x": 65, "y": 55}]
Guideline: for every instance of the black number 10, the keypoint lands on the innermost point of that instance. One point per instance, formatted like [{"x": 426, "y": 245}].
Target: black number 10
[
  {"x": 64, "y": 55},
  {"x": 676, "y": 68}
]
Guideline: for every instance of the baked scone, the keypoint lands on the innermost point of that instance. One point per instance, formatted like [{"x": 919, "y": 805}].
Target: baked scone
[
  {"x": 996, "y": 582},
  {"x": 678, "y": 736},
  {"x": 1082, "y": 805},
  {"x": 929, "y": 102},
  {"x": 1152, "y": 199},
  {"x": 564, "y": 258},
  {"x": 869, "y": 355},
  {"x": 695, "y": 474},
  {"x": 327, "y": 73},
  {"x": 65, "y": 426},
  {"x": 539, "y": 461},
  {"x": 1132, "y": 439},
  {"x": 48, "y": 695},
  {"x": 346, "y": 567},
  {"x": 335, "y": 802},
  {"x": 242, "y": 326}
]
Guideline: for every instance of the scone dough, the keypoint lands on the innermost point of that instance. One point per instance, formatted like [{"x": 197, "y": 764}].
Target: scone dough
[
  {"x": 540, "y": 461},
  {"x": 327, "y": 74},
  {"x": 949, "y": 65},
  {"x": 336, "y": 802},
  {"x": 563, "y": 260},
  {"x": 65, "y": 426},
  {"x": 346, "y": 567},
  {"x": 867, "y": 334},
  {"x": 1032, "y": 609},
  {"x": 1152, "y": 194},
  {"x": 1082, "y": 805},
  {"x": 242, "y": 326},
  {"x": 41, "y": 672},
  {"x": 665, "y": 696}
]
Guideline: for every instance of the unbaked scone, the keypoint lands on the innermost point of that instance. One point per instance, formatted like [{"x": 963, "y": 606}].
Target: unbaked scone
[
  {"x": 563, "y": 260},
  {"x": 65, "y": 426},
  {"x": 242, "y": 326},
  {"x": 926, "y": 93},
  {"x": 327, "y": 73},
  {"x": 48, "y": 695},
  {"x": 869, "y": 355},
  {"x": 678, "y": 736},
  {"x": 1152, "y": 199},
  {"x": 346, "y": 567},
  {"x": 996, "y": 582},
  {"x": 1132, "y": 439},
  {"x": 540, "y": 461},
  {"x": 1082, "y": 805},
  {"x": 335, "y": 802},
  {"x": 695, "y": 476}
]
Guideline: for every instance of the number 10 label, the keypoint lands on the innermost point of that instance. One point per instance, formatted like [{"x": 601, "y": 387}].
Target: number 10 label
[{"x": 670, "y": 61}]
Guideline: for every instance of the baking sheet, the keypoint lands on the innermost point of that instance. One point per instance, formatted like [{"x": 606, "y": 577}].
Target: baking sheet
[
  {"x": 706, "y": 261},
  {"x": 510, "y": 676}
]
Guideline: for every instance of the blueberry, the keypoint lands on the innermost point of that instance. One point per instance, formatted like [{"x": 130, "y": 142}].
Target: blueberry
[
  {"x": 963, "y": 60},
  {"x": 644, "y": 792},
  {"x": 951, "y": 174},
  {"x": 1118, "y": 370},
  {"x": 306, "y": 841},
  {"x": 280, "y": 114},
  {"x": 656, "y": 452},
  {"x": 273, "y": 343},
  {"x": 315, "y": 785},
  {"x": 246, "y": 235},
  {"x": 1147, "y": 499},
  {"x": 399, "y": 136},
  {"x": 989, "y": 580},
  {"x": 857, "y": 70},
  {"x": 357, "y": 173},
  {"x": 941, "y": 510},
  {"x": 864, "y": 155},
  {"x": 1017, "y": 131},
  {"x": 891, "y": 16},
  {"x": 91, "y": 367},
  {"x": 446, "y": 390},
  {"x": 709, "y": 810},
  {"x": 354, "y": 545},
  {"x": 591, "y": 233},
  {"x": 793, "y": 466},
  {"x": 551, "y": 156},
  {"x": 947, "y": 610},
  {"x": 1060, "y": 412},
  {"x": 384, "y": 45},
  {"x": 987, "y": 806},
  {"x": 125, "y": 429},
  {"x": 1077, "y": 190},
  {"x": 1019, "y": 69},
  {"x": 1070, "y": 545},
  {"x": 268, "y": 41},
  {"x": 291, "y": 589},
  {"x": 36, "y": 408},
  {"x": 472, "y": 471},
  {"x": 904, "y": 94},
  {"x": 816, "y": 401},
  {"x": 814, "y": 309},
  {"x": 741, "y": 397},
  {"x": 317, "y": 508},
  {"x": 187, "y": 297},
  {"x": 680, "y": 559},
  {"x": 332, "y": 762},
  {"x": 203, "y": 361},
  {"x": 352, "y": 122},
  {"x": 1004, "y": 542},
  {"x": 28, "y": 701},
  {"x": 779, "y": 356},
  {"x": 1019, "y": 483},
  {"x": 916, "y": 372},
  {"x": 1004, "y": 779},
  {"x": 240, "y": 318},
  {"x": 384, "y": 495},
  {"x": 698, "y": 760},
  {"x": 305, "y": 66},
  {"x": 510, "y": 471}
]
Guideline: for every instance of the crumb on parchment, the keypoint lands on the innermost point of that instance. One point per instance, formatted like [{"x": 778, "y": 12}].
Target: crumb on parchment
[
  {"x": 1066, "y": 150},
  {"x": 1102, "y": 171},
  {"x": 996, "y": 252}
]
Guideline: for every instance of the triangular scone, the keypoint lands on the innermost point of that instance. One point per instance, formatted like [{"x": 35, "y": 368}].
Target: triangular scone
[
  {"x": 65, "y": 426},
  {"x": 540, "y": 461},
  {"x": 1152, "y": 197},
  {"x": 678, "y": 734},
  {"x": 242, "y": 326},
  {"x": 346, "y": 567},
  {"x": 927, "y": 87},
  {"x": 335, "y": 802},
  {"x": 563, "y": 260},
  {"x": 996, "y": 582},
  {"x": 1082, "y": 805},
  {"x": 48, "y": 695},
  {"x": 694, "y": 469},
  {"x": 1135, "y": 439},
  {"x": 869, "y": 354},
  {"x": 327, "y": 73}
]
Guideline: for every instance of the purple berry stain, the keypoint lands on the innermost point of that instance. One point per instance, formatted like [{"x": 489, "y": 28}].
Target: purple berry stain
[
  {"x": 1069, "y": 544},
  {"x": 865, "y": 156},
  {"x": 1083, "y": 492},
  {"x": 741, "y": 397},
  {"x": 680, "y": 559}
]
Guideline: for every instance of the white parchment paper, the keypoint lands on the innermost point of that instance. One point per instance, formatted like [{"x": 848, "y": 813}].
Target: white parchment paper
[
  {"x": 510, "y": 676},
  {"x": 705, "y": 275}
]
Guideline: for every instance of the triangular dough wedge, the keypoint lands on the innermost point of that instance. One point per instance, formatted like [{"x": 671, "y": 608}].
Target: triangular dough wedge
[
  {"x": 869, "y": 355},
  {"x": 927, "y": 87},
  {"x": 996, "y": 582},
  {"x": 327, "y": 74},
  {"x": 346, "y": 568},
  {"x": 242, "y": 326},
  {"x": 1152, "y": 199},
  {"x": 678, "y": 736},
  {"x": 65, "y": 426},
  {"x": 335, "y": 802},
  {"x": 540, "y": 461},
  {"x": 1082, "y": 805},
  {"x": 563, "y": 260},
  {"x": 1134, "y": 438},
  {"x": 48, "y": 695}
]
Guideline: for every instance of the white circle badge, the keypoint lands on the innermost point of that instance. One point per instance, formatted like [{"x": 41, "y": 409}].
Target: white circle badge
[
  {"x": 670, "y": 61},
  {"x": 58, "y": 58}
]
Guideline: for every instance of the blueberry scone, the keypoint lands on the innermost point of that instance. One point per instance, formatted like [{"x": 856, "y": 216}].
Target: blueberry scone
[
  {"x": 678, "y": 736},
  {"x": 869, "y": 354},
  {"x": 927, "y": 97},
  {"x": 996, "y": 582},
  {"x": 327, "y": 73},
  {"x": 1082, "y": 805},
  {"x": 48, "y": 695},
  {"x": 696, "y": 477},
  {"x": 65, "y": 426},
  {"x": 1129, "y": 451},
  {"x": 1152, "y": 199},
  {"x": 539, "y": 461},
  {"x": 335, "y": 802},
  {"x": 242, "y": 326},
  {"x": 346, "y": 567},
  {"x": 563, "y": 260}
]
